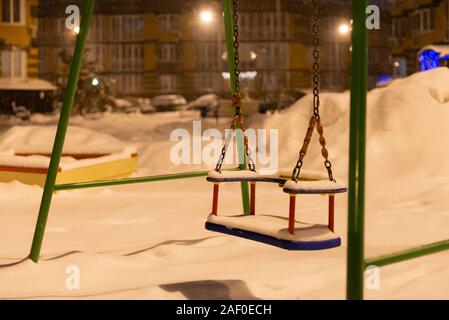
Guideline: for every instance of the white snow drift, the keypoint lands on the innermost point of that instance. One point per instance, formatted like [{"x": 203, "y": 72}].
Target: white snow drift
[{"x": 148, "y": 241}]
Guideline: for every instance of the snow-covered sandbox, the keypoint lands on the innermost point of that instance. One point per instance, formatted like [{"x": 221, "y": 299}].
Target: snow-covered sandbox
[{"x": 87, "y": 156}]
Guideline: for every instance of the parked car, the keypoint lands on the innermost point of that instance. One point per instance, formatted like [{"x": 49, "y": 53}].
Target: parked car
[
  {"x": 207, "y": 104},
  {"x": 125, "y": 105},
  {"x": 169, "y": 102},
  {"x": 143, "y": 104},
  {"x": 146, "y": 106}
]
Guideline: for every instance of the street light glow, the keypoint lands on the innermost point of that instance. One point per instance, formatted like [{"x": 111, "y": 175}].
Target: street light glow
[
  {"x": 76, "y": 30},
  {"x": 253, "y": 55},
  {"x": 344, "y": 28},
  {"x": 95, "y": 82},
  {"x": 206, "y": 16}
]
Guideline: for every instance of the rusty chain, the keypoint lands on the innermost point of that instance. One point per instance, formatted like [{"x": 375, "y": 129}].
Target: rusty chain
[
  {"x": 236, "y": 102},
  {"x": 315, "y": 121}
]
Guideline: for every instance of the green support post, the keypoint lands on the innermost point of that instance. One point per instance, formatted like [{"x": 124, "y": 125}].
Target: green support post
[
  {"x": 62, "y": 130},
  {"x": 118, "y": 182},
  {"x": 408, "y": 254},
  {"x": 229, "y": 28},
  {"x": 356, "y": 194}
]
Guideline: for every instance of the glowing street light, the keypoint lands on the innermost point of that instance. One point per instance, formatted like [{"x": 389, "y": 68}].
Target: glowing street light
[
  {"x": 344, "y": 28},
  {"x": 206, "y": 16},
  {"x": 224, "y": 56},
  {"x": 253, "y": 55},
  {"x": 95, "y": 82},
  {"x": 76, "y": 30}
]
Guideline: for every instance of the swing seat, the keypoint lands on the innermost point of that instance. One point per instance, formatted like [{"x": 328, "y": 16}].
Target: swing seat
[
  {"x": 233, "y": 176},
  {"x": 272, "y": 230},
  {"x": 314, "y": 187}
]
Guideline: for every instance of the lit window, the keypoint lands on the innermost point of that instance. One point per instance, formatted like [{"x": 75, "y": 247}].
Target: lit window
[
  {"x": 13, "y": 63},
  {"x": 168, "y": 23},
  {"x": 13, "y": 11},
  {"x": 168, "y": 53},
  {"x": 424, "y": 20}
]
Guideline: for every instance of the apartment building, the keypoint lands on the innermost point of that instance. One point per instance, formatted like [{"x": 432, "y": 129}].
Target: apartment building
[
  {"x": 151, "y": 47},
  {"x": 115, "y": 42},
  {"x": 415, "y": 24},
  {"x": 18, "y": 34}
]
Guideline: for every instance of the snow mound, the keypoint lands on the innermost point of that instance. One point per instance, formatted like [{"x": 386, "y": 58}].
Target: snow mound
[
  {"x": 39, "y": 140},
  {"x": 406, "y": 128}
]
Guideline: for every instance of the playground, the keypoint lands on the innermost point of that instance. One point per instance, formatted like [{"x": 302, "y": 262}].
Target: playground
[
  {"x": 118, "y": 238},
  {"x": 148, "y": 241}
]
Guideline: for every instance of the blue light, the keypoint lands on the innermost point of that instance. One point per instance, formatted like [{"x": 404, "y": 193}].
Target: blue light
[
  {"x": 430, "y": 59},
  {"x": 383, "y": 79}
]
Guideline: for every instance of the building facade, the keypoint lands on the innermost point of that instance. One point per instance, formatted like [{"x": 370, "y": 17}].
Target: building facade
[
  {"x": 18, "y": 35},
  {"x": 151, "y": 47},
  {"x": 415, "y": 24}
]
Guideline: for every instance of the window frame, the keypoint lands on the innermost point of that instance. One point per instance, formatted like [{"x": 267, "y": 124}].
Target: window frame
[
  {"x": 12, "y": 55},
  {"x": 168, "y": 22},
  {"x": 22, "y": 13},
  {"x": 173, "y": 81}
]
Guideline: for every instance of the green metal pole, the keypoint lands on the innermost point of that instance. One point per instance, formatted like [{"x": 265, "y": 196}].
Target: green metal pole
[
  {"x": 357, "y": 137},
  {"x": 62, "y": 130},
  {"x": 408, "y": 254},
  {"x": 117, "y": 182},
  {"x": 229, "y": 28}
]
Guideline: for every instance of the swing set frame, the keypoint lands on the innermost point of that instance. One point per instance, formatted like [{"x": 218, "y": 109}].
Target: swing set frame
[{"x": 356, "y": 261}]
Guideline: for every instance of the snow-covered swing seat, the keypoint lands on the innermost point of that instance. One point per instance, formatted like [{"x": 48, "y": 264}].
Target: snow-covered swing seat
[{"x": 286, "y": 233}]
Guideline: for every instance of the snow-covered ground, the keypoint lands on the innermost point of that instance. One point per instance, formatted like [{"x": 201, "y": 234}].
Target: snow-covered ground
[{"x": 148, "y": 241}]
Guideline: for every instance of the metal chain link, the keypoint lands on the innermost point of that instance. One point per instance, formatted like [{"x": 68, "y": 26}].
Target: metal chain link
[
  {"x": 316, "y": 57},
  {"x": 223, "y": 151},
  {"x": 236, "y": 101},
  {"x": 315, "y": 121},
  {"x": 249, "y": 157},
  {"x": 237, "y": 122}
]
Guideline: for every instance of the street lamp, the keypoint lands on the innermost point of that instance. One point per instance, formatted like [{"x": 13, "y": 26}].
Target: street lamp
[
  {"x": 253, "y": 55},
  {"x": 206, "y": 16},
  {"x": 76, "y": 30},
  {"x": 344, "y": 28},
  {"x": 95, "y": 81}
]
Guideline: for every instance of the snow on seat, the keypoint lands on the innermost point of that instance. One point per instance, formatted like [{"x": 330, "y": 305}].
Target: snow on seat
[
  {"x": 314, "y": 187},
  {"x": 232, "y": 176},
  {"x": 281, "y": 176},
  {"x": 273, "y": 230}
]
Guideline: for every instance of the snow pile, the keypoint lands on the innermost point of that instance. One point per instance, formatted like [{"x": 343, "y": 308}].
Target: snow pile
[
  {"x": 149, "y": 241},
  {"x": 31, "y": 146},
  {"x": 39, "y": 140},
  {"x": 406, "y": 128}
]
